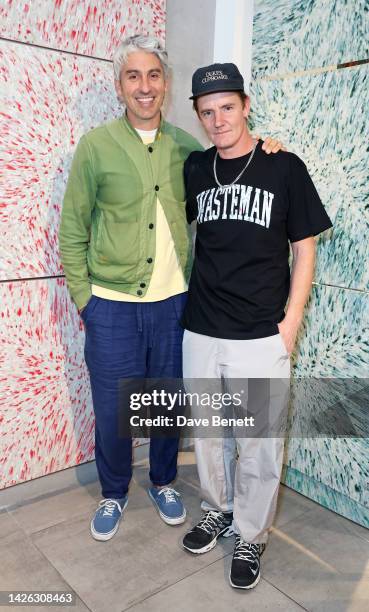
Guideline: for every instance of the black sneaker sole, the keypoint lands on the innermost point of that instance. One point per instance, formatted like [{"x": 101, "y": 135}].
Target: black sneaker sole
[
  {"x": 225, "y": 533},
  {"x": 249, "y": 586}
]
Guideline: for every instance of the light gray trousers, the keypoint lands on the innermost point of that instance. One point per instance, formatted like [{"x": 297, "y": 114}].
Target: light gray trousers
[{"x": 239, "y": 474}]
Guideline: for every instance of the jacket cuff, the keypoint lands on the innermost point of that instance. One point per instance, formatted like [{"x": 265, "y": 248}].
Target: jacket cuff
[{"x": 82, "y": 297}]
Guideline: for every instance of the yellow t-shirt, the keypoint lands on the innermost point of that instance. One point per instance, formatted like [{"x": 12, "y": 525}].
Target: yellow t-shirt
[{"x": 167, "y": 277}]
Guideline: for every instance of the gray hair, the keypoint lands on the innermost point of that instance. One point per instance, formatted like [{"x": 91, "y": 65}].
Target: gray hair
[{"x": 139, "y": 42}]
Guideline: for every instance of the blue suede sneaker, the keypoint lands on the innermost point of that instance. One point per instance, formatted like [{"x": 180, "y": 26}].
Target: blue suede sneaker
[
  {"x": 168, "y": 504},
  {"x": 107, "y": 516}
]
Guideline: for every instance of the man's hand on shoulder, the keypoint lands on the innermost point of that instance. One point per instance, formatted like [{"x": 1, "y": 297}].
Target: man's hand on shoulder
[{"x": 271, "y": 145}]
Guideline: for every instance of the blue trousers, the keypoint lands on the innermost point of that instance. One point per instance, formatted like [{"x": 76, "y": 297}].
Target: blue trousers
[{"x": 130, "y": 340}]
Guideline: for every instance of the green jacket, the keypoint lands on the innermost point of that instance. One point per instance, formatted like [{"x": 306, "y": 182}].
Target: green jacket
[{"x": 107, "y": 232}]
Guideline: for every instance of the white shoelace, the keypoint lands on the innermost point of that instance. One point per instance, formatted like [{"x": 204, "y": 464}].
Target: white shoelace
[
  {"x": 169, "y": 494},
  {"x": 109, "y": 506},
  {"x": 210, "y": 522},
  {"x": 246, "y": 552}
]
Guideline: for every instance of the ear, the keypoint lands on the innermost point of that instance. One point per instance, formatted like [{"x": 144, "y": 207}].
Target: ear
[
  {"x": 246, "y": 108},
  {"x": 118, "y": 89}
]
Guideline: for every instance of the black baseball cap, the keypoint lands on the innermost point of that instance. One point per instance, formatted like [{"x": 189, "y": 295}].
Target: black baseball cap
[{"x": 216, "y": 77}]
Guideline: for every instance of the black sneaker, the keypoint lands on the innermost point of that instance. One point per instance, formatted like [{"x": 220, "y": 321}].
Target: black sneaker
[
  {"x": 245, "y": 569},
  {"x": 203, "y": 537}
]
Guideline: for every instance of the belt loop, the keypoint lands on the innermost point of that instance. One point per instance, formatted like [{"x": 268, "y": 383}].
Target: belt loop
[{"x": 139, "y": 317}]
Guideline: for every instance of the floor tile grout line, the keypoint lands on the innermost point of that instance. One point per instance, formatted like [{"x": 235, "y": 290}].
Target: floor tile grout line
[
  {"x": 13, "y": 508},
  {"x": 202, "y": 569},
  {"x": 352, "y": 534},
  {"x": 292, "y": 519},
  {"x": 175, "y": 582},
  {"x": 17, "y": 526},
  {"x": 75, "y": 486},
  {"x": 30, "y": 534},
  {"x": 285, "y": 594},
  {"x": 61, "y": 576},
  {"x": 34, "y": 545},
  {"x": 339, "y": 517},
  {"x": 61, "y": 522}
]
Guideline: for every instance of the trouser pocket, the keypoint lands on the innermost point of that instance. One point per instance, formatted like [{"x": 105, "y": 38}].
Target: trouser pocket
[
  {"x": 89, "y": 308},
  {"x": 179, "y": 303}
]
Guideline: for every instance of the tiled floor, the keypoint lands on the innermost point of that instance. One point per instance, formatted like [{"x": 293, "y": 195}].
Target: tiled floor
[{"x": 315, "y": 559}]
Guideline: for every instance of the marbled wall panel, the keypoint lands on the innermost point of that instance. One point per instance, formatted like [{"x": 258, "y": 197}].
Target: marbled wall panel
[
  {"x": 294, "y": 35},
  {"x": 49, "y": 100},
  {"x": 46, "y": 411},
  {"x": 334, "y": 336},
  {"x": 321, "y": 114},
  {"x": 334, "y": 344},
  {"x": 89, "y": 28},
  {"x": 340, "y": 464},
  {"x": 327, "y": 497},
  {"x": 46, "y": 414},
  {"x": 323, "y": 119}
]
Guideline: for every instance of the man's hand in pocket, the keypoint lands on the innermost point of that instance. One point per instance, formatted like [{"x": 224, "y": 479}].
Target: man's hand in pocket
[{"x": 288, "y": 331}]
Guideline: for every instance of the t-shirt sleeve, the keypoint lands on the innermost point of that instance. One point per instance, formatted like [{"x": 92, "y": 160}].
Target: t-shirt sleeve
[
  {"x": 306, "y": 213},
  {"x": 191, "y": 203}
]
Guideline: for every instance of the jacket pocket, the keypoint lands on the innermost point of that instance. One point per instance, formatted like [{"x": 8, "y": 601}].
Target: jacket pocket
[{"x": 118, "y": 241}]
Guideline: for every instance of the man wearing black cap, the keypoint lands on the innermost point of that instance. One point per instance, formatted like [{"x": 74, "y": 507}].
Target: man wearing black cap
[{"x": 249, "y": 208}]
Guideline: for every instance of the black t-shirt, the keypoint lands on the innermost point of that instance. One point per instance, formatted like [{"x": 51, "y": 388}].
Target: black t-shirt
[{"x": 240, "y": 279}]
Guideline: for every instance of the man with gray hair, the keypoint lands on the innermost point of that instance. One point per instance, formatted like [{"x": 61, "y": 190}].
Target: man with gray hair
[{"x": 126, "y": 251}]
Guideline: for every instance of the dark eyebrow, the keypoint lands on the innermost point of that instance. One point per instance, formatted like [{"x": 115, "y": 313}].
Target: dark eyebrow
[{"x": 135, "y": 71}]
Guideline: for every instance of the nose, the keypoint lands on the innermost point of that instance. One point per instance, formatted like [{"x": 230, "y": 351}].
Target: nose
[
  {"x": 218, "y": 118},
  {"x": 145, "y": 85}
]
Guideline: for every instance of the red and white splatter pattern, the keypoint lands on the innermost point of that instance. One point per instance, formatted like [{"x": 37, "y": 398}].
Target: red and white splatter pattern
[
  {"x": 46, "y": 411},
  {"x": 46, "y": 415},
  {"x": 49, "y": 100},
  {"x": 89, "y": 28}
]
